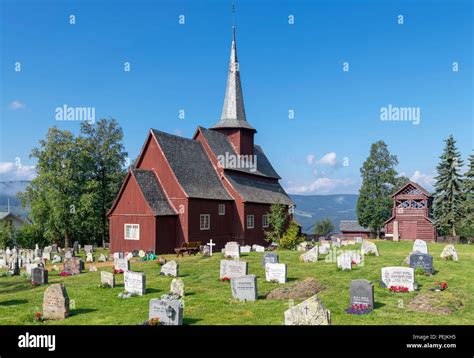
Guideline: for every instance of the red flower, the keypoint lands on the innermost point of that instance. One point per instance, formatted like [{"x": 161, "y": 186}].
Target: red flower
[
  {"x": 225, "y": 278},
  {"x": 117, "y": 271}
]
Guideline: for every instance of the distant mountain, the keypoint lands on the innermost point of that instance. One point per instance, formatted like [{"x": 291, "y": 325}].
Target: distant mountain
[
  {"x": 8, "y": 190},
  {"x": 311, "y": 208}
]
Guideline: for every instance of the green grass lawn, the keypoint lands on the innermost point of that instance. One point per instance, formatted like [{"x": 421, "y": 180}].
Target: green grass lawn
[{"x": 208, "y": 300}]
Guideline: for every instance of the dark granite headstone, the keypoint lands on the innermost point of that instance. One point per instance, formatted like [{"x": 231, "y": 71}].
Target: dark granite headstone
[
  {"x": 39, "y": 276},
  {"x": 425, "y": 261},
  {"x": 75, "y": 246},
  {"x": 362, "y": 294},
  {"x": 270, "y": 257}
]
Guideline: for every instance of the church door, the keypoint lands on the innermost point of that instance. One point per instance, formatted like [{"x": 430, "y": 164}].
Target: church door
[{"x": 409, "y": 230}]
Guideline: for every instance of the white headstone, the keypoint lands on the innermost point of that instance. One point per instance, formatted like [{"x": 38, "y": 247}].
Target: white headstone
[
  {"x": 135, "y": 282},
  {"x": 233, "y": 268},
  {"x": 420, "y": 246},
  {"x": 310, "y": 312},
  {"x": 399, "y": 276},
  {"x": 310, "y": 256},
  {"x": 170, "y": 269},
  {"x": 232, "y": 250},
  {"x": 275, "y": 272}
]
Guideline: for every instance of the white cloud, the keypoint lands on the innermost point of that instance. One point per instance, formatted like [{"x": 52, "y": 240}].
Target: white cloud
[
  {"x": 425, "y": 180},
  {"x": 15, "y": 105},
  {"x": 310, "y": 159},
  {"x": 9, "y": 171},
  {"x": 321, "y": 186},
  {"x": 329, "y": 159}
]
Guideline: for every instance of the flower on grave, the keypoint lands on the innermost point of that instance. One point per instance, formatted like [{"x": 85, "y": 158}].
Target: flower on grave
[
  {"x": 154, "y": 322},
  {"x": 118, "y": 271},
  {"x": 38, "y": 316},
  {"x": 225, "y": 278},
  {"x": 64, "y": 273},
  {"x": 441, "y": 286},
  {"x": 398, "y": 289}
]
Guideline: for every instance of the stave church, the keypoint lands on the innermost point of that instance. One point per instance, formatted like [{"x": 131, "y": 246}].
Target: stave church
[{"x": 217, "y": 185}]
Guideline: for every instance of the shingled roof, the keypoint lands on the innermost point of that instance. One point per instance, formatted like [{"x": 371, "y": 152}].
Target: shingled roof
[
  {"x": 191, "y": 166},
  {"x": 352, "y": 225},
  {"x": 221, "y": 145},
  {"x": 259, "y": 191},
  {"x": 153, "y": 192}
]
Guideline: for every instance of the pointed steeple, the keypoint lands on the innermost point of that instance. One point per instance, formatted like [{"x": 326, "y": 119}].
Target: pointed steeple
[{"x": 233, "y": 111}]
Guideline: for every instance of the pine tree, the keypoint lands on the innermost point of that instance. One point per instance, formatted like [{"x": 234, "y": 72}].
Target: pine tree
[
  {"x": 466, "y": 227},
  {"x": 379, "y": 179},
  {"x": 448, "y": 196}
]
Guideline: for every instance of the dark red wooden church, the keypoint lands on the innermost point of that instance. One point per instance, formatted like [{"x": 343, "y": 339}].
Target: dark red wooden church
[
  {"x": 410, "y": 215},
  {"x": 186, "y": 190}
]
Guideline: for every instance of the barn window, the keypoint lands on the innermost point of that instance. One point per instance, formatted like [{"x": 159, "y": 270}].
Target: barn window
[
  {"x": 205, "y": 222},
  {"x": 250, "y": 222},
  {"x": 406, "y": 204},
  {"x": 221, "y": 209},
  {"x": 132, "y": 232},
  {"x": 265, "y": 220}
]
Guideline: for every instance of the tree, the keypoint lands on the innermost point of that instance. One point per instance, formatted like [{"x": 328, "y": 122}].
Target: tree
[
  {"x": 7, "y": 234},
  {"x": 54, "y": 195},
  {"x": 466, "y": 226},
  {"x": 323, "y": 227},
  {"x": 103, "y": 141},
  {"x": 277, "y": 218},
  {"x": 379, "y": 179},
  {"x": 448, "y": 196},
  {"x": 291, "y": 238}
]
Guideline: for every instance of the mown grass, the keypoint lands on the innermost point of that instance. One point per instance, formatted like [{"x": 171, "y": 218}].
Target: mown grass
[{"x": 208, "y": 300}]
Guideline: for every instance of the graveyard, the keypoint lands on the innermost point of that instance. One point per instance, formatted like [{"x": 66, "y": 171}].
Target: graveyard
[{"x": 208, "y": 298}]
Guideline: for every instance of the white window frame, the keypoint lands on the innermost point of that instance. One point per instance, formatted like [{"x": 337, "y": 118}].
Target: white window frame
[
  {"x": 137, "y": 237},
  {"x": 221, "y": 209},
  {"x": 265, "y": 220},
  {"x": 201, "y": 222},
  {"x": 250, "y": 216}
]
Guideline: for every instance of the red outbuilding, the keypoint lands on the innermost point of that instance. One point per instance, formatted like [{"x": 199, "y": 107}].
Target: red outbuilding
[
  {"x": 218, "y": 185},
  {"x": 410, "y": 215}
]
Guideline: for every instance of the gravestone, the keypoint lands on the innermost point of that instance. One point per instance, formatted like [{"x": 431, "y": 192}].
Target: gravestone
[
  {"x": 358, "y": 240},
  {"x": 258, "y": 248},
  {"x": 121, "y": 264},
  {"x": 75, "y": 246},
  {"x": 324, "y": 248},
  {"x": 369, "y": 248},
  {"x": 46, "y": 255},
  {"x": 425, "y": 261},
  {"x": 29, "y": 268},
  {"x": 102, "y": 258},
  {"x": 107, "y": 279},
  {"x": 310, "y": 256},
  {"x": 135, "y": 282},
  {"x": 275, "y": 272},
  {"x": 74, "y": 266},
  {"x": 232, "y": 250},
  {"x": 344, "y": 261},
  {"x": 169, "y": 312},
  {"x": 177, "y": 287},
  {"x": 68, "y": 254},
  {"x": 88, "y": 249},
  {"x": 420, "y": 246},
  {"x": 89, "y": 257},
  {"x": 170, "y": 268},
  {"x": 39, "y": 276},
  {"x": 129, "y": 256},
  {"x": 205, "y": 250},
  {"x": 54, "y": 249},
  {"x": 449, "y": 253},
  {"x": 245, "y": 249},
  {"x": 310, "y": 312},
  {"x": 56, "y": 259},
  {"x": 244, "y": 288},
  {"x": 399, "y": 276},
  {"x": 362, "y": 294},
  {"x": 302, "y": 246},
  {"x": 55, "y": 302},
  {"x": 233, "y": 268},
  {"x": 269, "y": 257}
]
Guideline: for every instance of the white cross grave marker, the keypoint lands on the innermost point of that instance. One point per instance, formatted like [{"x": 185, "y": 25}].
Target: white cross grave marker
[{"x": 210, "y": 244}]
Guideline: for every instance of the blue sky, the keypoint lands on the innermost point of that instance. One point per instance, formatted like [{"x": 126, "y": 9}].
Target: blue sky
[{"x": 283, "y": 67}]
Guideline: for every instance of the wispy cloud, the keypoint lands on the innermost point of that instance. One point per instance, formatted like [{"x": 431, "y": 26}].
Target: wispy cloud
[
  {"x": 328, "y": 159},
  {"x": 16, "y": 105},
  {"x": 310, "y": 159},
  {"x": 425, "y": 180},
  {"x": 9, "y": 171},
  {"x": 322, "y": 186}
]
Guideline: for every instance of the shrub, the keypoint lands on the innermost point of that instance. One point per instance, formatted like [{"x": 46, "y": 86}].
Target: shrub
[{"x": 291, "y": 238}]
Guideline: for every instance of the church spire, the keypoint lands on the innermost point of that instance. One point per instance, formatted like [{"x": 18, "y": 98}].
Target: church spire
[{"x": 233, "y": 111}]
